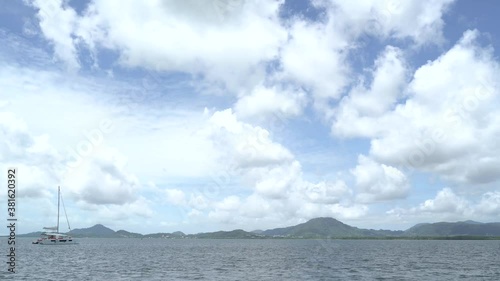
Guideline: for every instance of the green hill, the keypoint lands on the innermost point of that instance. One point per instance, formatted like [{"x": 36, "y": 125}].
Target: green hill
[
  {"x": 97, "y": 230},
  {"x": 234, "y": 234},
  {"x": 176, "y": 234},
  {"x": 327, "y": 228},
  {"x": 126, "y": 234},
  {"x": 31, "y": 234},
  {"x": 464, "y": 228},
  {"x": 315, "y": 228}
]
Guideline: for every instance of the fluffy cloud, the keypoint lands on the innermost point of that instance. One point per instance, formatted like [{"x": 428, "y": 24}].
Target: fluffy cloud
[
  {"x": 114, "y": 216},
  {"x": 40, "y": 148},
  {"x": 175, "y": 196},
  {"x": 58, "y": 22},
  {"x": 100, "y": 184},
  {"x": 17, "y": 143},
  {"x": 37, "y": 182},
  {"x": 237, "y": 38},
  {"x": 448, "y": 205},
  {"x": 240, "y": 40},
  {"x": 102, "y": 179},
  {"x": 358, "y": 112},
  {"x": 490, "y": 203},
  {"x": 419, "y": 20},
  {"x": 314, "y": 57},
  {"x": 442, "y": 118},
  {"x": 33, "y": 156},
  {"x": 277, "y": 182},
  {"x": 263, "y": 101},
  {"x": 243, "y": 144},
  {"x": 446, "y": 201},
  {"x": 270, "y": 179},
  {"x": 325, "y": 192},
  {"x": 421, "y": 133},
  {"x": 379, "y": 182},
  {"x": 434, "y": 136}
]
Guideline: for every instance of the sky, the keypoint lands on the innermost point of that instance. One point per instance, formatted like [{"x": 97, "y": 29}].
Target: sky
[{"x": 196, "y": 116}]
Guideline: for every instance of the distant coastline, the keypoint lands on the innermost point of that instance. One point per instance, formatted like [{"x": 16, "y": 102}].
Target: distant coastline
[{"x": 318, "y": 228}]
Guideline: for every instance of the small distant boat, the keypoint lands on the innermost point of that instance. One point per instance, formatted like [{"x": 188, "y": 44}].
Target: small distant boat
[{"x": 52, "y": 236}]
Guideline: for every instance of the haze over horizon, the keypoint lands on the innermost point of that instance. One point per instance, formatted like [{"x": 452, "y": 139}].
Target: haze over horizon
[{"x": 159, "y": 116}]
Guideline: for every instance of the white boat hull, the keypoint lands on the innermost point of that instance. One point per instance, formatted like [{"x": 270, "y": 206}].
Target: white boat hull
[
  {"x": 49, "y": 242},
  {"x": 55, "y": 239}
]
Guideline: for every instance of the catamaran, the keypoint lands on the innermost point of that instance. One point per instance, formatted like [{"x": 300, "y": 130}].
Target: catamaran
[{"x": 52, "y": 236}]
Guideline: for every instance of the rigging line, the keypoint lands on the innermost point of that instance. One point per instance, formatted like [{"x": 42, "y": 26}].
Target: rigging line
[{"x": 65, "y": 212}]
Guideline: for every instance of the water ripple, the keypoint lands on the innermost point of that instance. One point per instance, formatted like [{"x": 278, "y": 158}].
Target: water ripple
[{"x": 158, "y": 259}]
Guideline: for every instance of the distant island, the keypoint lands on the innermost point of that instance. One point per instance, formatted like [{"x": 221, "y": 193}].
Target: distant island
[{"x": 318, "y": 228}]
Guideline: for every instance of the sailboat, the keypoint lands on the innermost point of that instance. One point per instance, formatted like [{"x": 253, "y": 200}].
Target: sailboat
[{"x": 52, "y": 236}]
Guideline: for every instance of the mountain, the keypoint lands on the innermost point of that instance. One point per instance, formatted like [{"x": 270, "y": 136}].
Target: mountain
[
  {"x": 101, "y": 231},
  {"x": 31, "y": 234},
  {"x": 315, "y": 228},
  {"x": 126, "y": 234},
  {"x": 472, "y": 222},
  {"x": 234, "y": 234},
  {"x": 176, "y": 234},
  {"x": 462, "y": 228},
  {"x": 318, "y": 227},
  {"x": 97, "y": 230},
  {"x": 332, "y": 228},
  {"x": 326, "y": 228}
]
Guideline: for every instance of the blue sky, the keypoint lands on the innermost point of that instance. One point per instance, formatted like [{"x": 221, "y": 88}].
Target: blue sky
[{"x": 224, "y": 114}]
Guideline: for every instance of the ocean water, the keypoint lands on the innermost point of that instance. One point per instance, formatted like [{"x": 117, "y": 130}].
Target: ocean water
[{"x": 159, "y": 259}]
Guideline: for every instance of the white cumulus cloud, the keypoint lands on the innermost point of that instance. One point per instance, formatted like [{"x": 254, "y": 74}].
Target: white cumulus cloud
[{"x": 379, "y": 182}]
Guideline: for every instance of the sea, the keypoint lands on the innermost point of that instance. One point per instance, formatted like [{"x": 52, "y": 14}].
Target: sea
[{"x": 255, "y": 259}]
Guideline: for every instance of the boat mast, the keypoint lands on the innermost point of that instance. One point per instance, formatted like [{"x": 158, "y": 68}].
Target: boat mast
[{"x": 58, "y": 199}]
